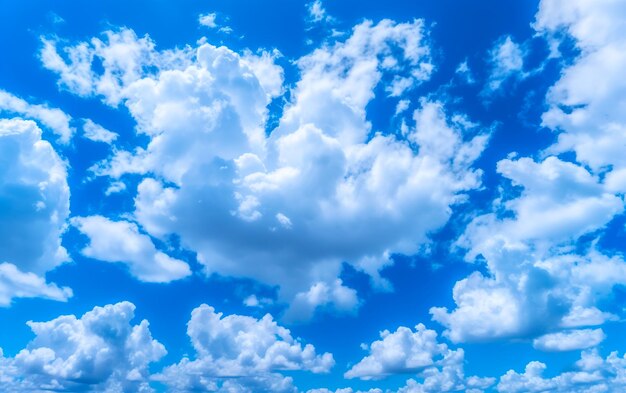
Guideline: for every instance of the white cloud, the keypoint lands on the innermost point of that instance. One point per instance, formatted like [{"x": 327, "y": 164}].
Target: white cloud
[
  {"x": 238, "y": 352},
  {"x": 34, "y": 201},
  {"x": 17, "y": 284},
  {"x": 507, "y": 62},
  {"x": 465, "y": 72},
  {"x": 124, "y": 59},
  {"x": 587, "y": 103},
  {"x": 54, "y": 119},
  {"x": 289, "y": 208},
  {"x": 101, "y": 351},
  {"x": 269, "y": 74},
  {"x": 208, "y": 20},
  {"x": 317, "y": 13},
  {"x": 535, "y": 283},
  {"x": 334, "y": 295},
  {"x": 448, "y": 377},
  {"x": 115, "y": 187},
  {"x": 592, "y": 374},
  {"x": 121, "y": 241},
  {"x": 538, "y": 282},
  {"x": 417, "y": 352},
  {"x": 97, "y": 133},
  {"x": 569, "y": 340},
  {"x": 254, "y": 301},
  {"x": 345, "y": 390},
  {"x": 403, "y": 351}
]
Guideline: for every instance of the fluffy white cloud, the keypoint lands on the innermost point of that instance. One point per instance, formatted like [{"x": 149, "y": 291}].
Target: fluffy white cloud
[
  {"x": 208, "y": 20},
  {"x": 593, "y": 374},
  {"x": 569, "y": 340},
  {"x": 334, "y": 295},
  {"x": 403, "y": 351},
  {"x": 449, "y": 377},
  {"x": 344, "y": 390},
  {"x": 97, "y": 133},
  {"x": 121, "y": 241},
  {"x": 317, "y": 12},
  {"x": 34, "y": 206},
  {"x": 101, "y": 351},
  {"x": 536, "y": 284},
  {"x": 507, "y": 62},
  {"x": 417, "y": 352},
  {"x": 587, "y": 103},
  {"x": 17, "y": 284},
  {"x": 236, "y": 352},
  {"x": 54, "y": 119},
  {"x": 322, "y": 189},
  {"x": 123, "y": 56}
]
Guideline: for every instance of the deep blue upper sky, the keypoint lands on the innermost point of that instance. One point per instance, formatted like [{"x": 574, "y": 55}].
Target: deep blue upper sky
[{"x": 344, "y": 170}]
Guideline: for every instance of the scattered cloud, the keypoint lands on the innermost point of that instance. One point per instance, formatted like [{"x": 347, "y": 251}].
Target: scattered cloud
[
  {"x": 52, "y": 118},
  {"x": 34, "y": 201},
  {"x": 241, "y": 352},
  {"x": 507, "y": 63},
  {"x": 97, "y": 133},
  {"x": 592, "y": 374},
  {"x": 100, "y": 351},
  {"x": 417, "y": 352},
  {"x": 208, "y": 20},
  {"x": 569, "y": 340},
  {"x": 403, "y": 351},
  {"x": 121, "y": 241},
  {"x": 297, "y": 194},
  {"x": 535, "y": 282}
]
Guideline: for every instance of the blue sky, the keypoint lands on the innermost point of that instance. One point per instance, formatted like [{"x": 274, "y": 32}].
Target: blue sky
[{"x": 288, "y": 196}]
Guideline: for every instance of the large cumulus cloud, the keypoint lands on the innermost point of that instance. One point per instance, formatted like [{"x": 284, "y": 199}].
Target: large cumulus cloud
[
  {"x": 100, "y": 351},
  {"x": 241, "y": 353},
  {"x": 321, "y": 189},
  {"x": 34, "y": 206}
]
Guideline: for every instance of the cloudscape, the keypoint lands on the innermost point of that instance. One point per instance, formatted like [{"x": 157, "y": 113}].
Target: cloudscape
[{"x": 319, "y": 196}]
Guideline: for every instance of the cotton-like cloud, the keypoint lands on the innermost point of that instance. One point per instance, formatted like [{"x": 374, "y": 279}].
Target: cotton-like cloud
[
  {"x": 587, "y": 103},
  {"x": 569, "y": 340},
  {"x": 54, "y": 119},
  {"x": 18, "y": 284},
  {"x": 507, "y": 62},
  {"x": 417, "y": 352},
  {"x": 100, "y": 351},
  {"x": 400, "y": 352},
  {"x": 317, "y": 12},
  {"x": 322, "y": 189},
  {"x": 592, "y": 374},
  {"x": 535, "y": 283},
  {"x": 240, "y": 352},
  {"x": 345, "y": 390},
  {"x": 34, "y": 206},
  {"x": 448, "y": 377},
  {"x": 208, "y": 20},
  {"x": 123, "y": 56},
  {"x": 121, "y": 241},
  {"x": 97, "y": 133}
]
